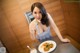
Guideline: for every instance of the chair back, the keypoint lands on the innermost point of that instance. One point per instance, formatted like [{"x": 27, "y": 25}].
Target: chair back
[{"x": 29, "y": 16}]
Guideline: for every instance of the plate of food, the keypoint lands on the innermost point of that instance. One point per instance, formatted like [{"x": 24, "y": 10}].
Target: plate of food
[{"x": 47, "y": 46}]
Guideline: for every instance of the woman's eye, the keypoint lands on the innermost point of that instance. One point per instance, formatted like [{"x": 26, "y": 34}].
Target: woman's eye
[
  {"x": 39, "y": 12},
  {"x": 34, "y": 12}
]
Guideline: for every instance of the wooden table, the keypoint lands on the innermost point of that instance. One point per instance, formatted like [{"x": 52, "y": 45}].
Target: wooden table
[{"x": 62, "y": 47}]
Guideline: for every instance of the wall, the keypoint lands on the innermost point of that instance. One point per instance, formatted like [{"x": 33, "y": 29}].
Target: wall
[
  {"x": 71, "y": 12},
  {"x": 14, "y": 30},
  {"x": 13, "y": 27}
]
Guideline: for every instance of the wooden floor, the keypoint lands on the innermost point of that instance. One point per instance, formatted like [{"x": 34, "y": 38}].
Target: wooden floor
[{"x": 73, "y": 42}]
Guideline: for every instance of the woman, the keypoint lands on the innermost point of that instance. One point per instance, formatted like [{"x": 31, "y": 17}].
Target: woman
[{"x": 40, "y": 26}]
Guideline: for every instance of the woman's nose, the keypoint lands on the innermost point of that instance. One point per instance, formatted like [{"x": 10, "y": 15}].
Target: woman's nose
[{"x": 38, "y": 15}]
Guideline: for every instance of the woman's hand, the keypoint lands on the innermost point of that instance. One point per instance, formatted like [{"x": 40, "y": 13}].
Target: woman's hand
[{"x": 65, "y": 40}]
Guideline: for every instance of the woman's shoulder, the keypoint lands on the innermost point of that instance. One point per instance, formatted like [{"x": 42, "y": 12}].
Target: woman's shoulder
[{"x": 49, "y": 17}]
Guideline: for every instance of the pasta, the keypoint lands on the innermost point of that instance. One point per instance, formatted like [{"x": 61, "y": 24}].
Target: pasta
[{"x": 47, "y": 46}]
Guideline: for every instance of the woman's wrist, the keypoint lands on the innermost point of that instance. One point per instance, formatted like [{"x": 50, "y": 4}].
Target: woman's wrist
[{"x": 65, "y": 40}]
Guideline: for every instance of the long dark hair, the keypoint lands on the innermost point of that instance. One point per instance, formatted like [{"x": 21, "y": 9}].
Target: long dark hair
[{"x": 44, "y": 19}]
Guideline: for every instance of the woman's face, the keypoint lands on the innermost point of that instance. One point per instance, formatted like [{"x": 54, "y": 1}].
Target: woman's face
[{"x": 37, "y": 14}]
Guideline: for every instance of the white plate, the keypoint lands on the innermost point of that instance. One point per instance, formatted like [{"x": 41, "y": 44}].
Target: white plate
[{"x": 41, "y": 49}]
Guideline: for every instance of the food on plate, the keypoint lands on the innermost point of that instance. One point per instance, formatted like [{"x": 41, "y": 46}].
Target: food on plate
[
  {"x": 51, "y": 45},
  {"x": 46, "y": 49},
  {"x": 47, "y": 46}
]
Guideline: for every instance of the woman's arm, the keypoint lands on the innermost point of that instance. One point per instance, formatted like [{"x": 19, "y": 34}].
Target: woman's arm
[
  {"x": 53, "y": 25},
  {"x": 32, "y": 32}
]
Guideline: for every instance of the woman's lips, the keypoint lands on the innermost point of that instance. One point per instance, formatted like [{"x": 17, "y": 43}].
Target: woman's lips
[{"x": 38, "y": 18}]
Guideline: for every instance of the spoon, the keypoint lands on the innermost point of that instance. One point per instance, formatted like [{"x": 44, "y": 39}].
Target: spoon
[
  {"x": 29, "y": 47},
  {"x": 32, "y": 50}
]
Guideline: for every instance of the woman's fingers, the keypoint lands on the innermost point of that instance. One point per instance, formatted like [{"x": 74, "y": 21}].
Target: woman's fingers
[{"x": 65, "y": 40}]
